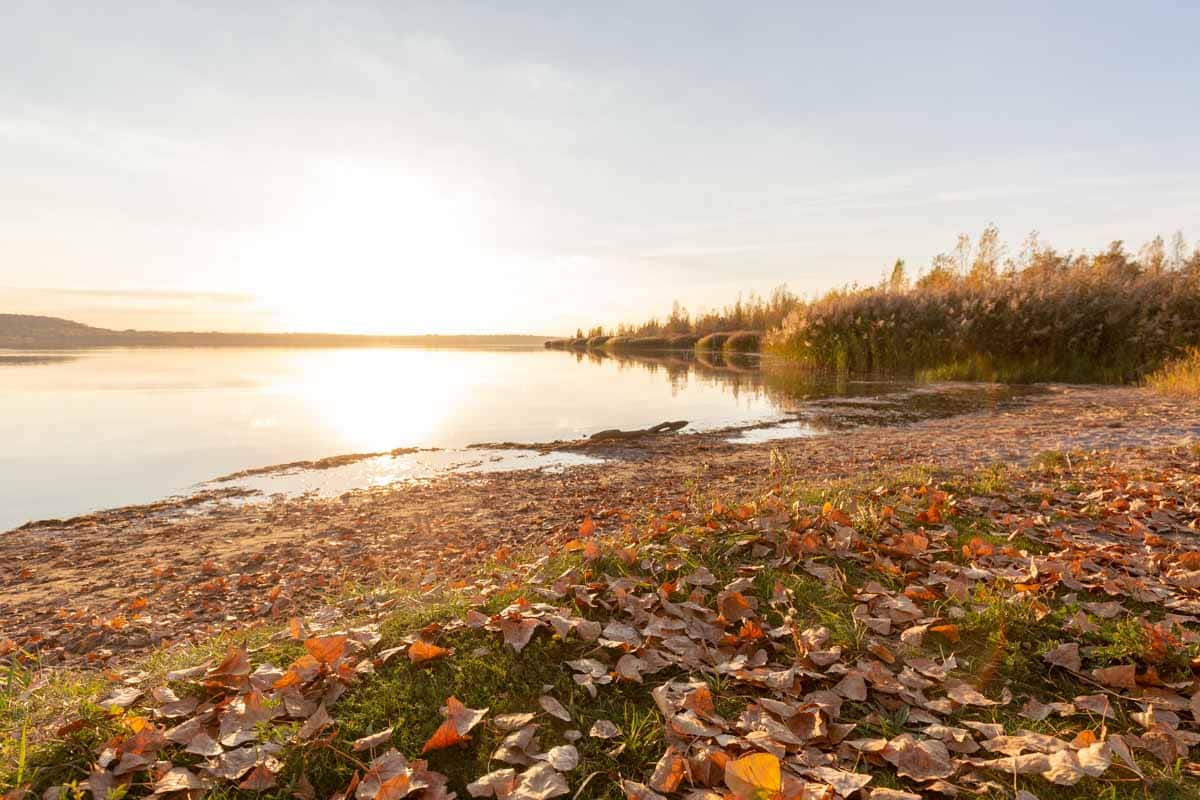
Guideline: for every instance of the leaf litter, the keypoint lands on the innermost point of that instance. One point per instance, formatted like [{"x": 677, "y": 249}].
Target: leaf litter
[{"x": 825, "y": 704}]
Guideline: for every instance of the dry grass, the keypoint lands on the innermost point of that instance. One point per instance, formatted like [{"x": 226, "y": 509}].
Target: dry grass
[
  {"x": 1179, "y": 377},
  {"x": 1100, "y": 318}
]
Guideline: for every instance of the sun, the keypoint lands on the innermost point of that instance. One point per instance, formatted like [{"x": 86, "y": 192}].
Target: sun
[{"x": 371, "y": 248}]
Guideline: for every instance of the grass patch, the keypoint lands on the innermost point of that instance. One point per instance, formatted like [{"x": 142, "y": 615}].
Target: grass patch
[
  {"x": 1179, "y": 377},
  {"x": 1001, "y": 634}
]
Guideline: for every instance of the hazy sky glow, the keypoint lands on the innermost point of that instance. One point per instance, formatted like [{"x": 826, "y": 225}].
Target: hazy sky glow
[{"x": 530, "y": 167}]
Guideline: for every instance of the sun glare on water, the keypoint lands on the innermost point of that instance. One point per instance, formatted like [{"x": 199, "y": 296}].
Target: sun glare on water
[{"x": 376, "y": 401}]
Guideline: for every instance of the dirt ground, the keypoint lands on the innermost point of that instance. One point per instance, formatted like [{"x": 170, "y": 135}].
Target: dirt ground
[{"x": 123, "y": 581}]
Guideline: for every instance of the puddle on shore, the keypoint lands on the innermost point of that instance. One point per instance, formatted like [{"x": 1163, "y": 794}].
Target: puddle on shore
[
  {"x": 384, "y": 470},
  {"x": 807, "y": 418},
  {"x": 790, "y": 429}
]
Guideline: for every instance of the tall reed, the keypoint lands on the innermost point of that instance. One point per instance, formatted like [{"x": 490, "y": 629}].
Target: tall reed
[{"x": 1105, "y": 317}]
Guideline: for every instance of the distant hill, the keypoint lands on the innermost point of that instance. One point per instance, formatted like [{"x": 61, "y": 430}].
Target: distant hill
[{"x": 24, "y": 331}]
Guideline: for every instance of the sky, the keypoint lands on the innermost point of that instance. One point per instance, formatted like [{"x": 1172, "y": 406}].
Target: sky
[{"x": 450, "y": 167}]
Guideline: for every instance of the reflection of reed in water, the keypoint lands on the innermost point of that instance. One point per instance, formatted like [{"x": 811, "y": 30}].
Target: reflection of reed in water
[
  {"x": 825, "y": 399},
  {"x": 737, "y": 372}
]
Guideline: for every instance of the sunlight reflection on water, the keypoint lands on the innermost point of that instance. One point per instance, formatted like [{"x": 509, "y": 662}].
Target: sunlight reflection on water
[
  {"x": 89, "y": 429},
  {"x": 92, "y": 429}
]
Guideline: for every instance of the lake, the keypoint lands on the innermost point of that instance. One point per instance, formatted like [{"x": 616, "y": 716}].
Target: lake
[{"x": 93, "y": 429}]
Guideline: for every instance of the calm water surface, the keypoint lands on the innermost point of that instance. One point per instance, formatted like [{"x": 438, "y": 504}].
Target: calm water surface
[
  {"x": 85, "y": 430},
  {"x": 101, "y": 428}
]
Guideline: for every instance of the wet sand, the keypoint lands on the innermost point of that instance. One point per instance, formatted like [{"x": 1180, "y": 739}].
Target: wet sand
[{"x": 127, "y": 580}]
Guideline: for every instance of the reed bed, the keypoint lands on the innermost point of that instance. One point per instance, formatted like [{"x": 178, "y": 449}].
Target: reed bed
[{"x": 1102, "y": 318}]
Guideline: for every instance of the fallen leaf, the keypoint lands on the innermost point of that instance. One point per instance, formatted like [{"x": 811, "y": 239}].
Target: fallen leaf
[
  {"x": 754, "y": 777},
  {"x": 421, "y": 651},
  {"x": 554, "y": 708},
  {"x": 604, "y": 729}
]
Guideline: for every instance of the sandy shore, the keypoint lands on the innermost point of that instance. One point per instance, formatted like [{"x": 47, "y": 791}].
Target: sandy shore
[{"x": 128, "y": 580}]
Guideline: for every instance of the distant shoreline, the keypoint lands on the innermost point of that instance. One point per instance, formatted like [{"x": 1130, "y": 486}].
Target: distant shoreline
[
  {"x": 22, "y": 332},
  {"x": 235, "y": 340}
]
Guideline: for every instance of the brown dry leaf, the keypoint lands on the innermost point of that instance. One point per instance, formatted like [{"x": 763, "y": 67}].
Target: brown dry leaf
[
  {"x": 373, "y": 741},
  {"x": 260, "y": 779},
  {"x": 700, "y": 701},
  {"x": 893, "y": 794},
  {"x": 540, "y": 782},
  {"x": 640, "y": 791},
  {"x": 500, "y": 784},
  {"x": 314, "y": 724},
  {"x": 1066, "y": 656},
  {"x": 554, "y": 708},
  {"x": 179, "y": 779},
  {"x": 920, "y": 760},
  {"x": 511, "y": 722},
  {"x": 1095, "y": 759},
  {"x": 203, "y": 745},
  {"x": 604, "y": 729},
  {"x": 734, "y": 606},
  {"x": 122, "y": 698},
  {"x": 1123, "y": 676},
  {"x": 966, "y": 695},
  {"x": 563, "y": 758},
  {"x": 1095, "y": 703},
  {"x": 518, "y": 631},
  {"x": 844, "y": 783}
]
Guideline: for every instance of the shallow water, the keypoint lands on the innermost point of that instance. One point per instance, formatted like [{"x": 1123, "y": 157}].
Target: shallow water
[{"x": 90, "y": 429}]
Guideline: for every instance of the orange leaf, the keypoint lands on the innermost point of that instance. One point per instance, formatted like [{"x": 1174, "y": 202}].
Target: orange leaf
[
  {"x": 750, "y": 631},
  {"x": 754, "y": 777},
  {"x": 459, "y": 722},
  {"x": 950, "y": 632},
  {"x": 587, "y": 528},
  {"x": 422, "y": 651},
  {"x": 233, "y": 670},
  {"x": 326, "y": 649},
  {"x": 700, "y": 700},
  {"x": 302, "y": 670},
  {"x": 882, "y": 653},
  {"x": 446, "y": 735},
  {"x": 829, "y": 512},
  {"x": 395, "y": 788}
]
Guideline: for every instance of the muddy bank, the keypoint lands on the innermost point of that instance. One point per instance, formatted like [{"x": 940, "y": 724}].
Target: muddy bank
[{"x": 132, "y": 579}]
